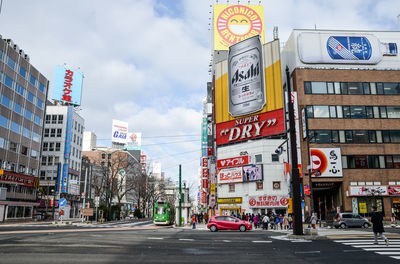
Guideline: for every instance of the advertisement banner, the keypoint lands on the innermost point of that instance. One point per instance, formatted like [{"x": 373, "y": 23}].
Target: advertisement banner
[
  {"x": 327, "y": 160},
  {"x": 394, "y": 190},
  {"x": 230, "y": 175},
  {"x": 245, "y": 77},
  {"x": 354, "y": 205},
  {"x": 64, "y": 182},
  {"x": 119, "y": 131},
  {"x": 204, "y": 162},
  {"x": 297, "y": 125},
  {"x": 18, "y": 179},
  {"x": 272, "y": 87},
  {"x": 232, "y": 162},
  {"x": 260, "y": 125},
  {"x": 68, "y": 132},
  {"x": 268, "y": 201},
  {"x": 203, "y": 197},
  {"x": 67, "y": 85},
  {"x": 368, "y": 190},
  {"x": 205, "y": 173},
  {"x": 234, "y": 23},
  {"x": 212, "y": 189},
  {"x": 231, "y": 200},
  {"x": 205, "y": 183},
  {"x": 133, "y": 141},
  {"x": 252, "y": 173}
]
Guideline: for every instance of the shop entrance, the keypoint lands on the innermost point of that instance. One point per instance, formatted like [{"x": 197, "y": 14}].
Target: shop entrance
[
  {"x": 396, "y": 208},
  {"x": 231, "y": 209},
  {"x": 327, "y": 197}
]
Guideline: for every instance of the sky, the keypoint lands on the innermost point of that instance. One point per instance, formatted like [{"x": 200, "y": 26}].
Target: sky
[{"x": 146, "y": 61}]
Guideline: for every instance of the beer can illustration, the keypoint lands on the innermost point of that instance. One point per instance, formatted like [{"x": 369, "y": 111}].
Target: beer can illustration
[{"x": 246, "y": 77}]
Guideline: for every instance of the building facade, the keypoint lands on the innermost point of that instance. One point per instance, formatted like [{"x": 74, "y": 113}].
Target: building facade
[
  {"x": 23, "y": 91},
  {"x": 348, "y": 94},
  {"x": 62, "y": 147}
]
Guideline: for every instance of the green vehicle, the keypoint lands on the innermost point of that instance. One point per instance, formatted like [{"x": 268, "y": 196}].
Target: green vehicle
[{"x": 162, "y": 214}]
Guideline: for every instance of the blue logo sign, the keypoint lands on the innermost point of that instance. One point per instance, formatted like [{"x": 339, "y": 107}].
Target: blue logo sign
[
  {"x": 118, "y": 134},
  {"x": 64, "y": 180},
  {"x": 62, "y": 202},
  {"x": 349, "y": 48},
  {"x": 67, "y": 85}
]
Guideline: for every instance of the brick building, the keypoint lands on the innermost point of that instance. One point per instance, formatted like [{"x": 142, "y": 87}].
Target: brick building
[{"x": 347, "y": 85}]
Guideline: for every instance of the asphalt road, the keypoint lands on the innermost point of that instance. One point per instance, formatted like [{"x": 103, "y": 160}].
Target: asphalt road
[{"x": 150, "y": 244}]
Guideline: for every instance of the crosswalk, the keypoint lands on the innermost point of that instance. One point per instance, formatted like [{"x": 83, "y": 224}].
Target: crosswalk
[{"x": 392, "y": 250}]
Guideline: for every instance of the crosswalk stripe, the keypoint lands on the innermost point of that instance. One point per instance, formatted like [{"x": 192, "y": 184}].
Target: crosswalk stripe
[
  {"x": 367, "y": 243},
  {"x": 300, "y": 241},
  {"x": 395, "y": 257},
  {"x": 261, "y": 241},
  {"x": 385, "y": 249},
  {"x": 388, "y": 253},
  {"x": 376, "y": 246},
  {"x": 363, "y": 240}
]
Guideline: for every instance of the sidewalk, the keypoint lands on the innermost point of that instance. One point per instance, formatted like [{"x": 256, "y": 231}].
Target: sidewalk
[{"x": 201, "y": 226}]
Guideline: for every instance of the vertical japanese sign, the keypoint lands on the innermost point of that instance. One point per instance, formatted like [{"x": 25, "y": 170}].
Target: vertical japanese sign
[
  {"x": 68, "y": 133},
  {"x": 64, "y": 181},
  {"x": 67, "y": 86}
]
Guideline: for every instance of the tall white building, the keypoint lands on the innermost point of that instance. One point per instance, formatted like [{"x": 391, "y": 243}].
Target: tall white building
[
  {"x": 89, "y": 141},
  {"x": 62, "y": 155}
]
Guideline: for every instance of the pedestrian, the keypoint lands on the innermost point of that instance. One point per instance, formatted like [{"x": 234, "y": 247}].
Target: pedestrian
[
  {"x": 243, "y": 217},
  {"x": 286, "y": 222},
  {"x": 313, "y": 220},
  {"x": 265, "y": 221},
  {"x": 276, "y": 222},
  {"x": 247, "y": 217},
  {"x": 194, "y": 221},
  {"x": 377, "y": 226},
  {"x": 290, "y": 222},
  {"x": 281, "y": 221},
  {"x": 205, "y": 218},
  {"x": 272, "y": 221},
  {"x": 255, "y": 220},
  {"x": 238, "y": 215}
]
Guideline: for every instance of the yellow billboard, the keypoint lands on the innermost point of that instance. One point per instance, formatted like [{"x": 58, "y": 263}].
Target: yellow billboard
[
  {"x": 272, "y": 83},
  {"x": 234, "y": 23}
]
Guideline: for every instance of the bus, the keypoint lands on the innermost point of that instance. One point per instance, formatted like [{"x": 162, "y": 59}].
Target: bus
[{"x": 163, "y": 214}]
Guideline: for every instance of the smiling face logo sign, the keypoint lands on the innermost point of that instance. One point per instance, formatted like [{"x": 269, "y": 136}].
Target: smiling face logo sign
[
  {"x": 318, "y": 160},
  {"x": 234, "y": 23}
]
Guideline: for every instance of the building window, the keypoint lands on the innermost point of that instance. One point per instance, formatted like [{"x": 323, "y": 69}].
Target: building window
[
  {"x": 45, "y": 146},
  {"x": 258, "y": 158},
  {"x": 28, "y": 114},
  {"x": 231, "y": 187},
  {"x": 259, "y": 185},
  {"x": 50, "y": 160},
  {"x": 44, "y": 160},
  {"x": 34, "y": 154},
  {"x": 22, "y": 71},
  {"x": 35, "y": 137},
  {"x": 37, "y": 120},
  {"x": 42, "y": 174},
  {"x": 41, "y": 87},
  {"x": 51, "y": 146},
  {"x": 24, "y": 150},
  {"x": 6, "y": 101},
  {"x": 32, "y": 80},
  {"x": 54, "y": 119},
  {"x": 53, "y": 132},
  {"x": 10, "y": 63},
  {"x": 46, "y": 132},
  {"x": 48, "y": 118},
  {"x": 58, "y": 146},
  {"x": 15, "y": 127},
  {"x": 275, "y": 157},
  {"x": 60, "y": 119},
  {"x": 19, "y": 89},
  {"x": 17, "y": 108},
  {"x": 39, "y": 103},
  {"x": 13, "y": 146},
  {"x": 8, "y": 81},
  {"x": 4, "y": 121},
  {"x": 59, "y": 132}
]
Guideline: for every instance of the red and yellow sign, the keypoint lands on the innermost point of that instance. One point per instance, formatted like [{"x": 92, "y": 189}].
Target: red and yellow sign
[{"x": 234, "y": 23}]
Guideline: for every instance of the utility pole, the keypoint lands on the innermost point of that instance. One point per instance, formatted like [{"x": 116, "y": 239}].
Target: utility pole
[
  {"x": 180, "y": 195},
  {"x": 298, "y": 219},
  {"x": 84, "y": 192}
]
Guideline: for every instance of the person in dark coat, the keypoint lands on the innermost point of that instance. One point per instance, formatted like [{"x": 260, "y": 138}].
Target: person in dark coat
[{"x": 377, "y": 226}]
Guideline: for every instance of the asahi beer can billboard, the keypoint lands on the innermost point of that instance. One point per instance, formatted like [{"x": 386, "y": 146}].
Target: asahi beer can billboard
[{"x": 246, "y": 77}]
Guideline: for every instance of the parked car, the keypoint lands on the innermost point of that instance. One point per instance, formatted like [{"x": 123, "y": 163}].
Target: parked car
[
  {"x": 344, "y": 220},
  {"x": 228, "y": 223}
]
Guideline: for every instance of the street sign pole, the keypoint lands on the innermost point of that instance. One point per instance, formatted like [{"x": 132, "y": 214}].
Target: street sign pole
[
  {"x": 180, "y": 195},
  {"x": 84, "y": 191}
]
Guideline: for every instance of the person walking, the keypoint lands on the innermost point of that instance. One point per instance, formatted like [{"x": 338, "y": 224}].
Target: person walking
[
  {"x": 205, "y": 218},
  {"x": 194, "y": 221},
  {"x": 247, "y": 217},
  {"x": 265, "y": 221},
  {"x": 255, "y": 221},
  {"x": 276, "y": 222},
  {"x": 290, "y": 222},
  {"x": 281, "y": 221},
  {"x": 377, "y": 226},
  {"x": 313, "y": 220},
  {"x": 286, "y": 222}
]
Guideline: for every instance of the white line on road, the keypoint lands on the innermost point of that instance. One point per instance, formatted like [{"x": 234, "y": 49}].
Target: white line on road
[
  {"x": 261, "y": 241},
  {"x": 378, "y": 249},
  {"x": 364, "y": 240},
  {"x": 155, "y": 238},
  {"x": 377, "y": 246},
  {"x": 300, "y": 241},
  {"x": 388, "y": 253},
  {"x": 396, "y": 257},
  {"x": 369, "y": 243},
  {"x": 186, "y": 239},
  {"x": 307, "y": 252},
  {"x": 227, "y": 241}
]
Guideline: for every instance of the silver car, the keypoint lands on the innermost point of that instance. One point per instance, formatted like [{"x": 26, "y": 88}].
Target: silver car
[{"x": 344, "y": 220}]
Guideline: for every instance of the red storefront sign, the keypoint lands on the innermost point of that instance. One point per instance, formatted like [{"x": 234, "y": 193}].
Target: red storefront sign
[
  {"x": 205, "y": 183},
  {"x": 203, "y": 198},
  {"x": 394, "y": 190},
  {"x": 205, "y": 173},
  {"x": 268, "y": 201},
  {"x": 232, "y": 162},
  {"x": 249, "y": 127},
  {"x": 13, "y": 177},
  {"x": 205, "y": 162}
]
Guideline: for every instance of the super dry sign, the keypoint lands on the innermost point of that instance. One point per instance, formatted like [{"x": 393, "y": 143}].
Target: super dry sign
[{"x": 250, "y": 127}]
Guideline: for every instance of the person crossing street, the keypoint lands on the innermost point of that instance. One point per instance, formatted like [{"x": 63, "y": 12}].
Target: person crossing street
[{"x": 377, "y": 226}]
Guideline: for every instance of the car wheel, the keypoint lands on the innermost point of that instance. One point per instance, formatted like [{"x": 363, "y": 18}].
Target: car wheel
[
  {"x": 365, "y": 225},
  {"x": 242, "y": 228},
  {"x": 342, "y": 225},
  {"x": 213, "y": 228}
]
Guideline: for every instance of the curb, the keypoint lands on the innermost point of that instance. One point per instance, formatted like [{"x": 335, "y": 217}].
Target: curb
[{"x": 307, "y": 237}]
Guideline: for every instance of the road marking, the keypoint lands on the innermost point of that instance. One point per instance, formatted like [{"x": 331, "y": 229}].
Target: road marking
[
  {"x": 186, "y": 239},
  {"x": 376, "y": 246},
  {"x": 57, "y": 245},
  {"x": 353, "y": 250},
  {"x": 387, "y": 253},
  {"x": 364, "y": 240},
  {"x": 261, "y": 241},
  {"x": 227, "y": 241},
  {"x": 361, "y": 243},
  {"x": 155, "y": 238},
  {"x": 307, "y": 252},
  {"x": 300, "y": 241},
  {"x": 378, "y": 249},
  {"x": 396, "y": 257}
]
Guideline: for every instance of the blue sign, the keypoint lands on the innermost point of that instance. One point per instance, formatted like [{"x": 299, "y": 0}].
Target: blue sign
[
  {"x": 68, "y": 133},
  {"x": 64, "y": 182},
  {"x": 349, "y": 48},
  {"x": 62, "y": 202},
  {"x": 67, "y": 85},
  {"x": 59, "y": 176}
]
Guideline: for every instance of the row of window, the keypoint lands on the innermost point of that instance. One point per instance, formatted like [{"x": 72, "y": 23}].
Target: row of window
[
  {"x": 21, "y": 71},
  {"x": 17, "y": 128},
  {"x": 18, "y": 148},
  {"x": 349, "y": 88},
  {"x": 7, "y": 102},
  {"x": 354, "y": 136},
  {"x": 371, "y": 162},
  {"x": 56, "y": 146},
  {"x": 54, "y": 119},
  {"x": 51, "y": 132},
  {"x": 10, "y": 166},
  {"x": 10, "y": 83},
  {"x": 54, "y": 160},
  {"x": 338, "y": 111}
]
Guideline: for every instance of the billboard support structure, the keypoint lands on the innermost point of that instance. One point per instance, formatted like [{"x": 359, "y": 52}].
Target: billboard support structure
[{"x": 298, "y": 222}]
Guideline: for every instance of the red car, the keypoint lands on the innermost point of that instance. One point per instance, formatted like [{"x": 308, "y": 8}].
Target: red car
[{"x": 228, "y": 223}]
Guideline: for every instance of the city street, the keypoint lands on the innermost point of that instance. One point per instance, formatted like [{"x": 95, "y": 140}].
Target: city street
[{"x": 144, "y": 242}]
